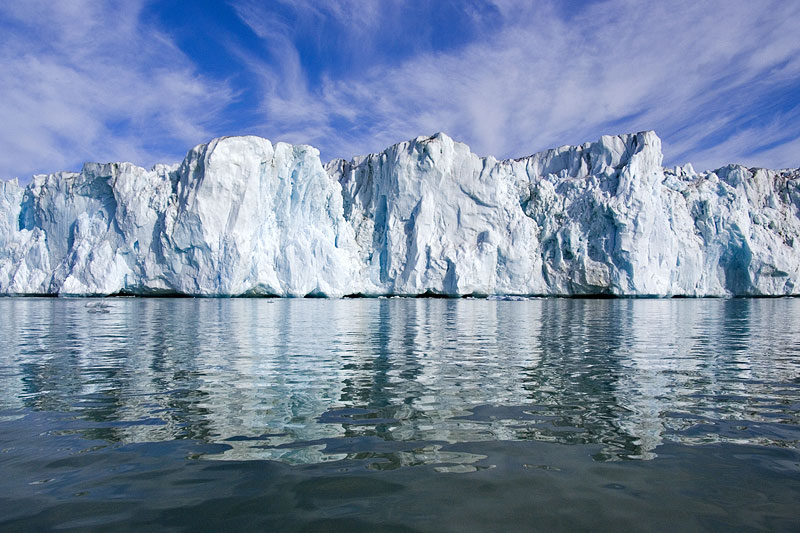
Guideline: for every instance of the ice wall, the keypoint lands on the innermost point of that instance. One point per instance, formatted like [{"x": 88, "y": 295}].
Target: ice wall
[{"x": 243, "y": 216}]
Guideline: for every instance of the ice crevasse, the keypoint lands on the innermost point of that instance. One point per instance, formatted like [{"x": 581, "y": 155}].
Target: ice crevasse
[{"x": 244, "y": 216}]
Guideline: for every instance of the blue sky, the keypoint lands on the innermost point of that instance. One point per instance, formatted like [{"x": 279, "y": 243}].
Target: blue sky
[{"x": 144, "y": 81}]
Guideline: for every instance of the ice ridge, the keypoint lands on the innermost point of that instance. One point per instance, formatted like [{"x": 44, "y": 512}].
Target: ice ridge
[{"x": 243, "y": 216}]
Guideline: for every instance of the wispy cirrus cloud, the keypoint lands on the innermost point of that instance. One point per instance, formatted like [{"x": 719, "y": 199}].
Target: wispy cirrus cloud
[
  {"x": 84, "y": 80},
  {"x": 143, "y": 81},
  {"x": 718, "y": 80}
]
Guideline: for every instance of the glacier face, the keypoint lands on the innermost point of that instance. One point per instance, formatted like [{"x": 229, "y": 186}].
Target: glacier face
[{"x": 241, "y": 216}]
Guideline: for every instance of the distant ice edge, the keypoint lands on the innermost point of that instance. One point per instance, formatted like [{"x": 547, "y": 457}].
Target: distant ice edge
[{"x": 243, "y": 216}]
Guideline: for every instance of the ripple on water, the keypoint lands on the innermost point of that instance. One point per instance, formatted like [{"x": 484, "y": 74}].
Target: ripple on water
[{"x": 392, "y": 386}]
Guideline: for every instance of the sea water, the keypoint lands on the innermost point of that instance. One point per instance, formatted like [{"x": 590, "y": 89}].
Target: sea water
[{"x": 399, "y": 414}]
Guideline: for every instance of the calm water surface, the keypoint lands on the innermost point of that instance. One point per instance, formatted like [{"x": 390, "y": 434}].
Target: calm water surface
[{"x": 399, "y": 414}]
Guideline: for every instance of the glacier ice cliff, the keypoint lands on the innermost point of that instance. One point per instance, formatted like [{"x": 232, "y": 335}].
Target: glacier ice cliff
[{"x": 243, "y": 216}]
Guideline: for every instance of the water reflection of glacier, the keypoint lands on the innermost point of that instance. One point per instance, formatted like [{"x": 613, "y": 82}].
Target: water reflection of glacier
[{"x": 284, "y": 379}]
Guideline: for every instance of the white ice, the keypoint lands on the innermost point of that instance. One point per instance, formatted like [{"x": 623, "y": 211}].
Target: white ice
[{"x": 243, "y": 216}]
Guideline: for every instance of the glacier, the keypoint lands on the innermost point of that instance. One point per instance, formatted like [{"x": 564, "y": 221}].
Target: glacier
[{"x": 242, "y": 216}]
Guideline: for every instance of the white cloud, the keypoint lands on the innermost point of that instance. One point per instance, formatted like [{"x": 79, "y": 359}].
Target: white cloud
[
  {"x": 89, "y": 80},
  {"x": 689, "y": 70},
  {"x": 97, "y": 80}
]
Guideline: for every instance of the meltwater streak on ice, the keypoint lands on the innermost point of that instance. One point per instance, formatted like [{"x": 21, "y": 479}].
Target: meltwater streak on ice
[
  {"x": 243, "y": 216},
  {"x": 391, "y": 382}
]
